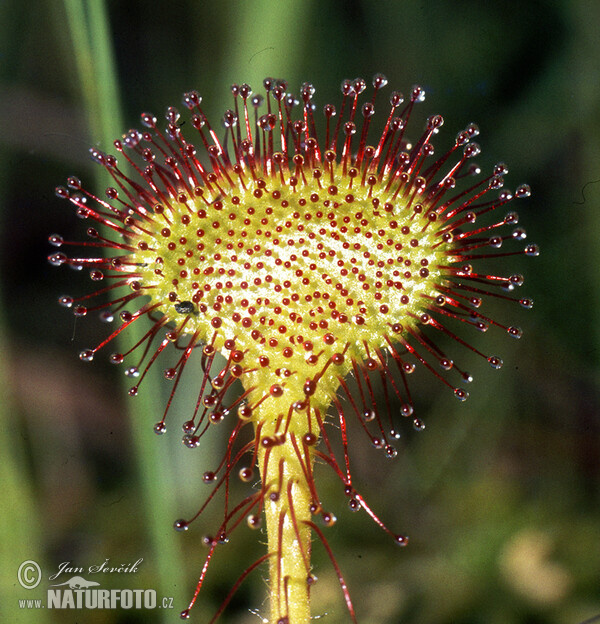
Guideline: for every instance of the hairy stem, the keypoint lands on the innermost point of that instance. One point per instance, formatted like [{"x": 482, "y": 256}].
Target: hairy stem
[{"x": 287, "y": 510}]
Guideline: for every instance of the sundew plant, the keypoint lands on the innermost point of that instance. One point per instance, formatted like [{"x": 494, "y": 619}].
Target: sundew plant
[{"x": 311, "y": 257}]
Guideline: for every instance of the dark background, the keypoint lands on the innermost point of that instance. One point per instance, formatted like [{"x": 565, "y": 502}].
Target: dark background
[{"x": 500, "y": 495}]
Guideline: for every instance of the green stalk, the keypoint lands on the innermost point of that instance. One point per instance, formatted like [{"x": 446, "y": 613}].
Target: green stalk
[
  {"x": 289, "y": 537},
  {"x": 90, "y": 32}
]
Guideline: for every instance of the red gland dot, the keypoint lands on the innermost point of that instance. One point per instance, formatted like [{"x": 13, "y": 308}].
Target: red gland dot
[
  {"x": 276, "y": 390},
  {"x": 310, "y": 387}
]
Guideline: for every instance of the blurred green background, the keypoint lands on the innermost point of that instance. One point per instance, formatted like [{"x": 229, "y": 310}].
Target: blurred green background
[{"x": 500, "y": 496}]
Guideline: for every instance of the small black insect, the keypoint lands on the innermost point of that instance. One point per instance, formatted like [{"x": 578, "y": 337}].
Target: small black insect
[{"x": 185, "y": 307}]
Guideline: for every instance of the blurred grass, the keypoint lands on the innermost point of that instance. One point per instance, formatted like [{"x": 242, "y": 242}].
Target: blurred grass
[
  {"x": 90, "y": 29},
  {"x": 488, "y": 484}
]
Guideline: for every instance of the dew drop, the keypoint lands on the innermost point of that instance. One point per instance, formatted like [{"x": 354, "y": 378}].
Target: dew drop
[
  {"x": 116, "y": 358},
  {"x": 160, "y": 428},
  {"x": 418, "y": 424},
  {"x": 65, "y": 301},
  {"x": 57, "y": 259},
  {"x": 460, "y": 394},
  {"x": 495, "y": 362},
  {"x": 181, "y": 525},
  {"x": 532, "y": 250},
  {"x": 526, "y": 303},
  {"x": 254, "y": 521},
  {"x": 500, "y": 169},
  {"x": 515, "y": 332},
  {"x": 446, "y": 364},
  {"x": 379, "y": 81},
  {"x": 368, "y": 415},
  {"x": 390, "y": 452},
  {"x": 107, "y": 316},
  {"x": 170, "y": 373},
  {"x": 185, "y": 615},
  {"x": 246, "y": 474},
  {"x": 417, "y": 94},
  {"x": 61, "y": 192},
  {"x": 133, "y": 391},
  {"x": 524, "y": 190},
  {"x": 191, "y": 441},
  {"x": 209, "y": 476},
  {"x": 354, "y": 504},
  {"x": 406, "y": 409},
  {"x": 244, "y": 411},
  {"x": 87, "y": 355},
  {"x": 148, "y": 120},
  {"x": 395, "y": 434},
  {"x": 56, "y": 240},
  {"x": 328, "y": 518},
  {"x": 188, "y": 426},
  {"x": 519, "y": 234},
  {"x": 401, "y": 540}
]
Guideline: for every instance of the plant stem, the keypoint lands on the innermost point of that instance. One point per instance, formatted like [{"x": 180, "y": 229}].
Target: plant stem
[{"x": 287, "y": 510}]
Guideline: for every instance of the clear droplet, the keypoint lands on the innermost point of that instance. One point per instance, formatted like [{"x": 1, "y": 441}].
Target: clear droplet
[
  {"x": 116, "y": 358},
  {"x": 532, "y": 250},
  {"x": 395, "y": 434},
  {"x": 354, "y": 504},
  {"x": 495, "y": 362},
  {"x": 188, "y": 426},
  {"x": 406, "y": 409},
  {"x": 191, "y": 441},
  {"x": 107, "y": 316},
  {"x": 418, "y": 424},
  {"x": 87, "y": 355},
  {"x": 460, "y": 394},
  {"x": 180, "y": 525},
  {"x": 526, "y": 303},
  {"x": 57, "y": 259},
  {"x": 368, "y": 415},
  {"x": 515, "y": 332}
]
